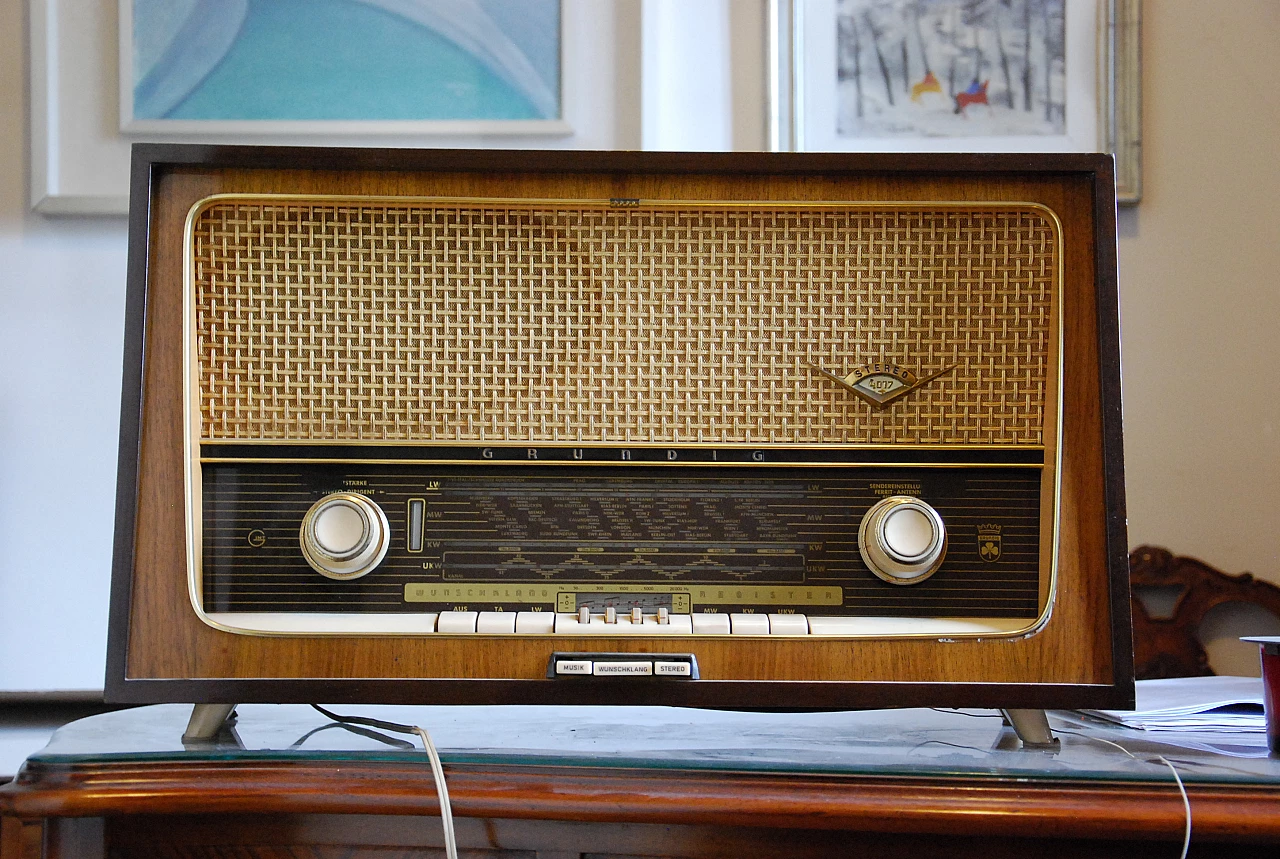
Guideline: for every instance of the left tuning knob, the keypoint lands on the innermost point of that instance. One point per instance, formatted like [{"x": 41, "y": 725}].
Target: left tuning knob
[{"x": 344, "y": 536}]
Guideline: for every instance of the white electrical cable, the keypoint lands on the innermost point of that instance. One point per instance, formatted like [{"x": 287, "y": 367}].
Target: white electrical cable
[
  {"x": 437, "y": 768},
  {"x": 1182, "y": 788},
  {"x": 442, "y": 792},
  {"x": 1186, "y": 803}
]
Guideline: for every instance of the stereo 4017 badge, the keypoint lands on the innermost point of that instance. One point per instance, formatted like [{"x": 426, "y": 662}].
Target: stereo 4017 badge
[{"x": 882, "y": 383}]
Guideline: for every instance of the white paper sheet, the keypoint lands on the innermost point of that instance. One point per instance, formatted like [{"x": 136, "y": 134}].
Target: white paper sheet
[{"x": 1215, "y": 704}]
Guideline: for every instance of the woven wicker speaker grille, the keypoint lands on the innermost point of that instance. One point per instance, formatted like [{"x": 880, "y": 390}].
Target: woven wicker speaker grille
[{"x": 455, "y": 321}]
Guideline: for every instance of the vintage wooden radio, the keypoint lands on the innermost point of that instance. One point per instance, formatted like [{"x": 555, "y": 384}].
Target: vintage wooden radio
[{"x": 721, "y": 430}]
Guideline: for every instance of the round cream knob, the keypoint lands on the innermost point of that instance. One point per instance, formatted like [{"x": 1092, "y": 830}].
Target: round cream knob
[
  {"x": 902, "y": 540},
  {"x": 344, "y": 536},
  {"x": 339, "y": 529}
]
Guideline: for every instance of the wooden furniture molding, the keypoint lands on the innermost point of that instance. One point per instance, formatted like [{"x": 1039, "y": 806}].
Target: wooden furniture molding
[
  {"x": 978, "y": 807},
  {"x": 1170, "y": 646}
]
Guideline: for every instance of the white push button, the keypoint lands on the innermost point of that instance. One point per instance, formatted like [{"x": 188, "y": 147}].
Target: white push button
[
  {"x": 457, "y": 621},
  {"x": 573, "y": 666},
  {"x": 749, "y": 624},
  {"x": 622, "y": 669},
  {"x": 672, "y": 669},
  {"x": 339, "y": 529},
  {"x": 535, "y": 622},
  {"x": 496, "y": 623},
  {"x": 907, "y": 533},
  {"x": 788, "y": 624},
  {"x": 710, "y": 624}
]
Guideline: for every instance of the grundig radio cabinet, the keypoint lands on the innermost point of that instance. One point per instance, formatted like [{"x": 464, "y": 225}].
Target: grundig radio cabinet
[{"x": 725, "y": 430}]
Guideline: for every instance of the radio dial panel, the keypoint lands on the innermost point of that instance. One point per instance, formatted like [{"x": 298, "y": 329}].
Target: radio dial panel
[{"x": 594, "y": 545}]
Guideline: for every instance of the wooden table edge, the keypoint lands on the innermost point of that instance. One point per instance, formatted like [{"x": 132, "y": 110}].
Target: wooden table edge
[{"x": 987, "y": 805}]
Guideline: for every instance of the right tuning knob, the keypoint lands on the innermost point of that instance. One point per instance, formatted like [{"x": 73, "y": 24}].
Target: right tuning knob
[{"x": 902, "y": 540}]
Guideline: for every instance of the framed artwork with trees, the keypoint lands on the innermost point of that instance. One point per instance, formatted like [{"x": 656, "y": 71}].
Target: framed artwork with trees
[{"x": 958, "y": 76}]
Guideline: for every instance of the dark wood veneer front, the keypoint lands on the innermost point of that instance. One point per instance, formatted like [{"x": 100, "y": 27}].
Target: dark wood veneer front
[{"x": 162, "y": 651}]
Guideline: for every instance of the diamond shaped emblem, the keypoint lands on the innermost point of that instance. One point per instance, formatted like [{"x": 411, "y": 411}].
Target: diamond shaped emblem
[{"x": 881, "y": 383}]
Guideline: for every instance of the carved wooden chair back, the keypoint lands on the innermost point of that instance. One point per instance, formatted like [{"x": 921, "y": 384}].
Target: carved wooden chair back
[{"x": 1169, "y": 645}]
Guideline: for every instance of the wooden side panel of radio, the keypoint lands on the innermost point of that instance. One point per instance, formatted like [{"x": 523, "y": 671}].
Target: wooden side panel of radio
[{"x": 375, "y": 361}]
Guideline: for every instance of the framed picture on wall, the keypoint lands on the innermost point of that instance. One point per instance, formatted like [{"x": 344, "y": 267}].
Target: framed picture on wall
[
  {"x": 959, "y": 76},
  {"x": 328, "y": 67},
  {"x": 83, "y": 86}
]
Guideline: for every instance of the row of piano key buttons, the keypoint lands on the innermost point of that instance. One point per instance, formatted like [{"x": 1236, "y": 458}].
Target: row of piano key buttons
[{"x": 547, "y": 623}]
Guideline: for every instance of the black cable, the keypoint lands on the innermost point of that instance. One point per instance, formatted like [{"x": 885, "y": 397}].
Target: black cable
[{"x": 437, "y": 767}]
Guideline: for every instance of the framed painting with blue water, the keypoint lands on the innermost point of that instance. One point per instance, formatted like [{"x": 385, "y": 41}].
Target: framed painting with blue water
[{"x": 379, "y": 66}]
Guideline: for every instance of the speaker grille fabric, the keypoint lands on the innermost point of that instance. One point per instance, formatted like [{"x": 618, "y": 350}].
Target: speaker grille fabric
[{"x": 322, "y": 320}]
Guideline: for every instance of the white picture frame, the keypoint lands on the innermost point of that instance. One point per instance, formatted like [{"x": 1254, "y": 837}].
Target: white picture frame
[
  {"x": 79, "y": 156},
  {"x": 473, "y": 41},
  {"x": 1102, "y": 88}
]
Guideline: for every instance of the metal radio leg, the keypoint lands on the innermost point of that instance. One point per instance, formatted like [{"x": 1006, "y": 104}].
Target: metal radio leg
[
  {"x": 1032, "y": 727},
  {"x": 206, "y": 721}
]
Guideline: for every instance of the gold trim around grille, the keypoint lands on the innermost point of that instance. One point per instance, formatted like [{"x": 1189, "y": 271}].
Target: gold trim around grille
[
  {"x": 666, "y": 348},
  {"x": 499, "y": 321}
]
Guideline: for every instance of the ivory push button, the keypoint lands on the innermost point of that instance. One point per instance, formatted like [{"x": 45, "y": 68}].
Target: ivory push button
[
  {"x": 619, "y": 668},
  {"x": 788, "y": 624},
  {"x": 672, "y": 669},
  {"x": 457, "y": 622},
  {"x": 496, "y": 623},
  {"x": 749, "y": 624},
  {"x": 711, "y": 624},
  {"x": 573, "y": 667},
  {"x": 535, "y": 622},
  {"x": 611, "y": 669}
]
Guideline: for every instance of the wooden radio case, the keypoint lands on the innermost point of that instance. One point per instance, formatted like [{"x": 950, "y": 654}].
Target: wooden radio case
[{"x": 726, "y": 430}]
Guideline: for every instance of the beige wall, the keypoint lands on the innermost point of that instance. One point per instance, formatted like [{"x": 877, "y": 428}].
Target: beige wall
[{"x": 1200, "y": 290}]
